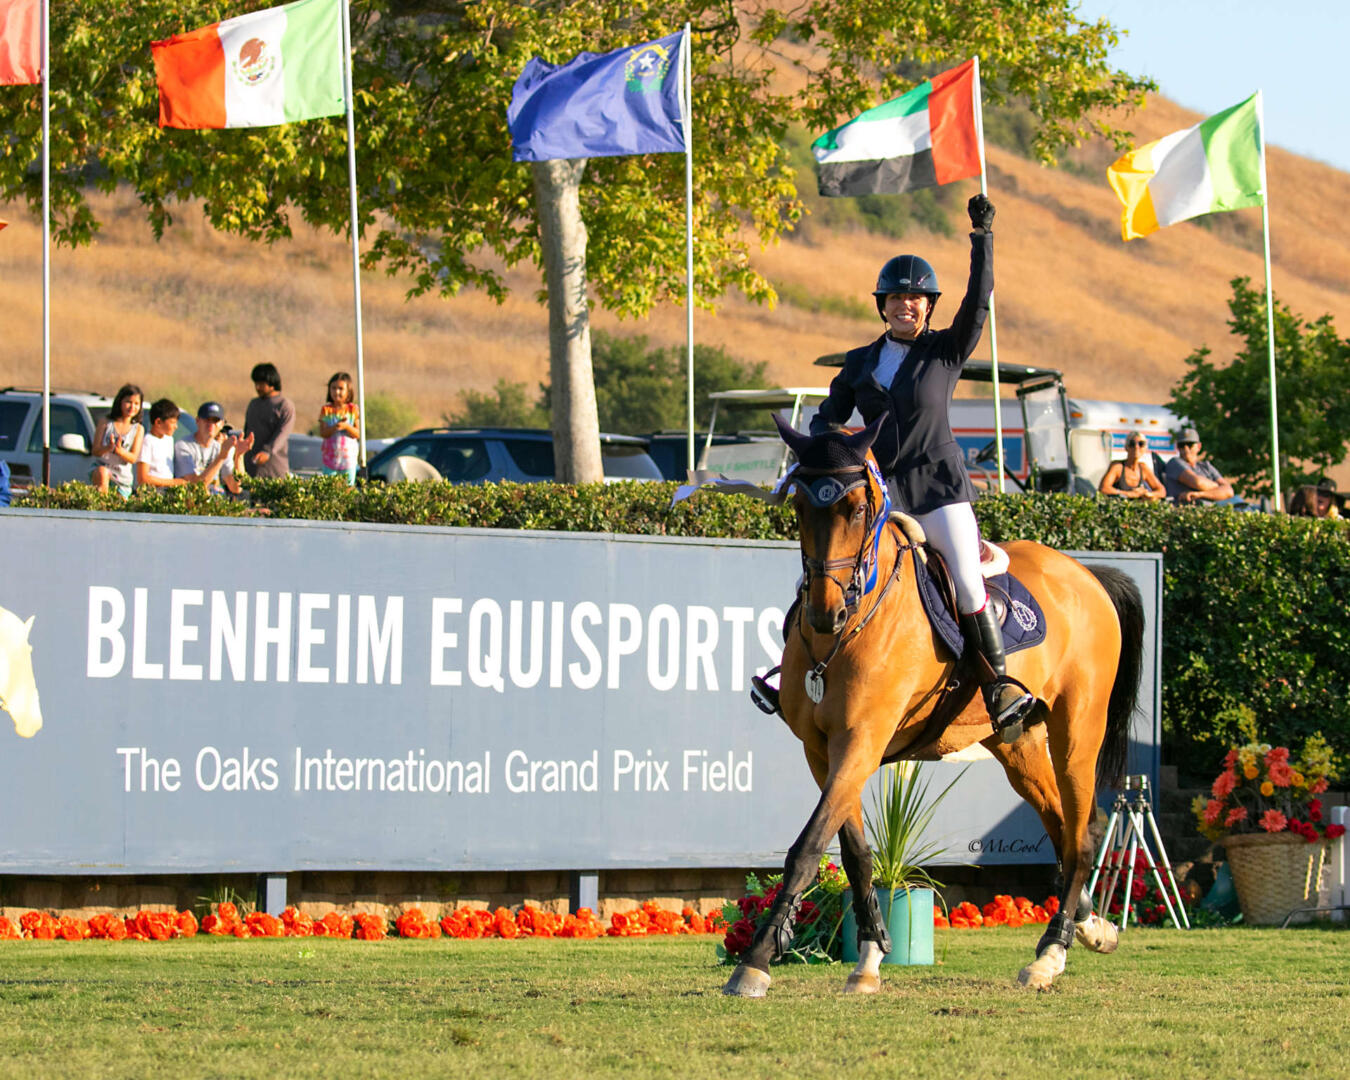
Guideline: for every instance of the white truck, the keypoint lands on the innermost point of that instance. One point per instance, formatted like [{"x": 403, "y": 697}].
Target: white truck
[{"x": 1051, "y": 442}]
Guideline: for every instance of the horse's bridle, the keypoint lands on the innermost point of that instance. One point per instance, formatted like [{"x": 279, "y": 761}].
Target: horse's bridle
[
  {"x": 864, "y": 570},
  {"x": 864, "y": 577}
]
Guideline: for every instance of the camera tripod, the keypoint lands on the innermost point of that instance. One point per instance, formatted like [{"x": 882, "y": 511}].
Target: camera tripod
[{"x": 1127, "y": 833}]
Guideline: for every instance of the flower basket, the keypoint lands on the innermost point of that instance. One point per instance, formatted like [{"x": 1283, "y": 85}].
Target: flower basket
[{"x": 1275, "y": 874}]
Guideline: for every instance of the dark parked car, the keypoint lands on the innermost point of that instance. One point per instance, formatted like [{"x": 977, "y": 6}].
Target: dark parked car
[{"x": 477, "y": 455}]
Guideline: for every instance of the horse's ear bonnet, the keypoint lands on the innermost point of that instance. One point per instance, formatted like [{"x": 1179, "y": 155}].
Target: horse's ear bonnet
[{"x": 821, "y": 458}]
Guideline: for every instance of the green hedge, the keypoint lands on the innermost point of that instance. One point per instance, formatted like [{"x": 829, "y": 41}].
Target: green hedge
[{"x": 1255, "y": 605}]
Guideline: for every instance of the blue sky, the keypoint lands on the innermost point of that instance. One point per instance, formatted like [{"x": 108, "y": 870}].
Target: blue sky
[{"x": 1207, "y": 55}]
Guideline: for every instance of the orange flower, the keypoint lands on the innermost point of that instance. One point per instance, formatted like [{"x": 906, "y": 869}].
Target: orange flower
[
  {"x": 8, "y": 931},
  {"x": 38, "y": 925},
  {"x": 185, "y": 924},
  {"x": 69, "y": 928},
  {"x": 261, "y": 924},
  {"x": 111, "y": 927},
  {"x": 370, "y": 927},
  {"x": 505, "y": 924},
  {"x": 413, "y": 923},
  {"x": 297, "y": 923}
]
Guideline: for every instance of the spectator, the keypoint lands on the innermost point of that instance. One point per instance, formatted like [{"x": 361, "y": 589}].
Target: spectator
[
  {"x": 1315, "y": 501},
  {"x": 1190, "y": 481},
  {"x": 193, "y": 458},
  {"x": 1132, "y": 478},
  {"x": 154, "y": 468},
  {"x": 6, "y": 495},
  {"x": 269, "y": 420},
  {"x": 339, "y": 424},
  {"x": 117, "y": 443}
]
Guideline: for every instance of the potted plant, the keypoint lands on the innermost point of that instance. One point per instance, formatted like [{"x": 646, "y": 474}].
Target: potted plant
[
  {"x": 901, "y": 812},
  {"x": 1264, "y": 808}
]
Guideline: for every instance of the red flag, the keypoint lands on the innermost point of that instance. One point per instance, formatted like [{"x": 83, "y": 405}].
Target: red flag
[{"x": 20, "y": 42}]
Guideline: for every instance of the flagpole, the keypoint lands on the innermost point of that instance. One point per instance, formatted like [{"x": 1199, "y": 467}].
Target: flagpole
[
  {"x": 46, "y": 252},
  {"x": 993, "y": 329},
  {"x": 356, "y": 240},
  {"x": 1270, "y": 306},
  {"x": 687, "y": 106}
]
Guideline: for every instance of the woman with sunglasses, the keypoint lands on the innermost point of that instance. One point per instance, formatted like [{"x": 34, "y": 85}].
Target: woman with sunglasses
[{"x": 1132, "y": 478}]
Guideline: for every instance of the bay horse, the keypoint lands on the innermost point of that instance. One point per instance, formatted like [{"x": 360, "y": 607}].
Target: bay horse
[{"x": 866, "y": 680}]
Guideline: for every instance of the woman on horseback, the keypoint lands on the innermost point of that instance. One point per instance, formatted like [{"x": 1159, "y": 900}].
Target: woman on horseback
[{"x": 908, "y": 375}]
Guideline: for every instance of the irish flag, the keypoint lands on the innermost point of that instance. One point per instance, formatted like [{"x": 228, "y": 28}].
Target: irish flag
[
  {"x": 920, "y": 139},
  {"x": 271, "y": 67},
  {"x": 1213, "y": 166}
]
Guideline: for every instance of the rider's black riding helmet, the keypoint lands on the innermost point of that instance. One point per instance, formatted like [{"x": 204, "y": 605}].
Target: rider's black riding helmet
[{"x": 906, "y": 274}]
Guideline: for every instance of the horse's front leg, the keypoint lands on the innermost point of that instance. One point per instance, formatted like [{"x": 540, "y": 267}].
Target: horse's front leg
[
  {"x": 873, "y": 940},
  {"x": 774, "y": 937},
  {"x": 851, "y": 760}
]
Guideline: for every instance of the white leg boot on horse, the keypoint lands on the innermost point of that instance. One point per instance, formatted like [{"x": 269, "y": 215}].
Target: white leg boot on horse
[
  {"x": 1091, "y": 930},
  {"x": 874, "y": 942}
]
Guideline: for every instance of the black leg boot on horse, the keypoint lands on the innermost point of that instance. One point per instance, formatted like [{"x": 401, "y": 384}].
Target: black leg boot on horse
[{"x": 1008, "y": 701}]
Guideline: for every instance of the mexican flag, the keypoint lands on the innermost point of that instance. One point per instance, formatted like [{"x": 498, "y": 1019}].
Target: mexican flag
[
  {"x": 1213, "y": 166},
  {"x": 921, "y": 139},
  {"x": 20, "y": 42},
  {"x": 271, "y": 67}
]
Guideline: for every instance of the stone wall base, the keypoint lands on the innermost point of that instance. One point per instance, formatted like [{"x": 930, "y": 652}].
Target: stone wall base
[{"x": 317, "y": 892}]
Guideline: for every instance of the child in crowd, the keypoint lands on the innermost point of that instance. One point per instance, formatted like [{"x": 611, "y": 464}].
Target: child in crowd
[
  {"x": 339, "y": 424},
  {"x": 117, "y": 443},
  {"x": 155, "y": 467}
]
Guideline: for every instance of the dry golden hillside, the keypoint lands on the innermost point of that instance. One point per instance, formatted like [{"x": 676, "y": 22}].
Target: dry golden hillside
[{"x": 190, "y": 315}]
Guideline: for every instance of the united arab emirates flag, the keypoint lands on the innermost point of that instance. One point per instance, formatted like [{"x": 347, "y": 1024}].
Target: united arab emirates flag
[{"x": 921, "y": 139}]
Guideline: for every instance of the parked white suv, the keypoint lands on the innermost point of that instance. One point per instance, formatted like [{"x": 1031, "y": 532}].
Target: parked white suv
[{"x": 74, "y": 418}]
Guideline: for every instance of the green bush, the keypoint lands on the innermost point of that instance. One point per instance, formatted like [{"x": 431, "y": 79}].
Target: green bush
[{"x": 1254, "y": 605}]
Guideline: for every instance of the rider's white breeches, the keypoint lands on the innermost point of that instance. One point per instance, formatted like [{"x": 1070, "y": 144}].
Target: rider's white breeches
[{"x": 953, "y": 531}]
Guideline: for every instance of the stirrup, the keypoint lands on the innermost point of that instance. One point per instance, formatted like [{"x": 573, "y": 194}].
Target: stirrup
[
  {"x": 763, "y": 695},
  {"x": 1010, "y": 719}
]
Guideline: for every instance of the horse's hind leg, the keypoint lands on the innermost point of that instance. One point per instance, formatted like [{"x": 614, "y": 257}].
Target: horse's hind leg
[
  {"x": 1074, "y": 754},
  {"x": 873, "y": 940}
]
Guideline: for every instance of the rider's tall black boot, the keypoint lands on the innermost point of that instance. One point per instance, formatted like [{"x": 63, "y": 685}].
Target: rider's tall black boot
[{"x": 1007, "y": 701}]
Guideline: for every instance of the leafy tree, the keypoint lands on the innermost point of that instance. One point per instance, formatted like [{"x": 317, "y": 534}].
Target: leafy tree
[
  {"x": 639, "y": 388},
  {"x": 1230, "y": 406},
  {"x": 507, "y": 406},
  {"x": 388, "y": 416},
  {"x": 443, "y": 203}
]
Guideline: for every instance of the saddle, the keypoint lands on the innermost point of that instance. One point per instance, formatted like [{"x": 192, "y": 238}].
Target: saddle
[{"x": 1016, "y": 609}]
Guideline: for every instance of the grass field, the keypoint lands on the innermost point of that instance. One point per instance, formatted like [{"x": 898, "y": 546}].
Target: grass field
[{"x": 1209, "y": 1003}]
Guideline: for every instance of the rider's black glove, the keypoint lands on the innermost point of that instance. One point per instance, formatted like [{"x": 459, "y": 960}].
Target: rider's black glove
[{"x": 981, "y": 212}]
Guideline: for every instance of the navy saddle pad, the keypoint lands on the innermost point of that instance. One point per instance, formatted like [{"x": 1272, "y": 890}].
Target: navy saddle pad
[{"x": 1023, "y": 620}]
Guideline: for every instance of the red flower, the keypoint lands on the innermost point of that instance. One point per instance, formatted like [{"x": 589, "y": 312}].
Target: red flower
[
  {"x": 1273, "y": 821},
  {"x": 739, "y": 937}
]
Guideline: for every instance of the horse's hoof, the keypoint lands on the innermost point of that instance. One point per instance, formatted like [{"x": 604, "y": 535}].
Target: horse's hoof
[
  {"x": 747, "y": 982},
  {"x": 1097, "y": 934},
  {"x": 1040, "y": 973},
  {"x": 866, "y": 983}
]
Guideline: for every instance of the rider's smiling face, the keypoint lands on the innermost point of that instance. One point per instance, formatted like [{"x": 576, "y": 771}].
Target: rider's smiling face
[{"x": 906, "y": 314}]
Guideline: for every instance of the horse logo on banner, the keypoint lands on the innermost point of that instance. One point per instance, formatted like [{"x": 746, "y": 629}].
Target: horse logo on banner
[{"x": 18, "y": 691}]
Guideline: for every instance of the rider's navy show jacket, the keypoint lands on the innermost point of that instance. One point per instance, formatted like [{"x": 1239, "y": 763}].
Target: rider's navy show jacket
[{"x": 916, "y": 445}]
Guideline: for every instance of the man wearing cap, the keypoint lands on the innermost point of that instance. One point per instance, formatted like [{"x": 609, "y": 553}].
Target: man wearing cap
[
  {"x": 1190, "y": 481},
  {"x": 196, "y": 458}
]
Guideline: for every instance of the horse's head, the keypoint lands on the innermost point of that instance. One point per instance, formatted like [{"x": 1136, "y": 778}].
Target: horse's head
[
  {"x": 841, "y": 505},
  {"x": 18, "y": 691}
]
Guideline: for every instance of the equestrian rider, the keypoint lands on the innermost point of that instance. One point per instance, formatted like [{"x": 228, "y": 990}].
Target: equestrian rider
[{"x": 909, "y": 373}]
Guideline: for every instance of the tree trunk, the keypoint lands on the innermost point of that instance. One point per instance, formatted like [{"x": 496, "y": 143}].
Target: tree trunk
[{"x": 562, "y": 235}]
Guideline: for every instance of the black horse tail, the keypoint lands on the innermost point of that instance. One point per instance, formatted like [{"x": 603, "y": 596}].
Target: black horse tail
[{"x": 1129, "y": 605}]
